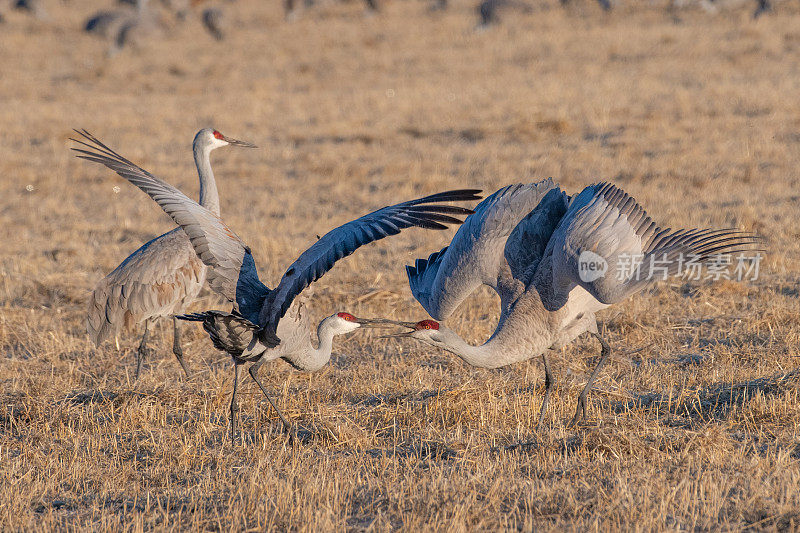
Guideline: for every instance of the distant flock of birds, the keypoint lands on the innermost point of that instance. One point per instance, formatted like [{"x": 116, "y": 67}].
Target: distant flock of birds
[
  {"x": 525, "y": 241},
  {"x": 133, "y": 20},
  {"x": 129, "y": 22},
  {"x": 488, "y": 10}
]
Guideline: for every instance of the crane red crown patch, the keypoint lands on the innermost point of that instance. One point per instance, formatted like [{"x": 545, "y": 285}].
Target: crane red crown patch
[
  {"x": 218, "y": 135},
  {"x": 427, "y": 324},
  {"x": 346, "y": 316}
]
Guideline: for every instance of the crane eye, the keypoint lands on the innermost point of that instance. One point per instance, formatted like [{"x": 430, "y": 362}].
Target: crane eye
[{"x": 218, "y": 135}]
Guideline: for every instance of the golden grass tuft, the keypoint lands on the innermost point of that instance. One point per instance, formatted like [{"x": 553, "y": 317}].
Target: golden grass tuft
[{"x": 694, "y": 422}]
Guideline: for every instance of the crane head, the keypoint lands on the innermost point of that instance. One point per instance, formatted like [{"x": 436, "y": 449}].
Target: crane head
[
  {"x": 345, "y": 323},
  {"x": 426, "y": 324},
  {"x": 233, "y": 142},
  {"x": 422, "y": 330},
  {"x": 211, "y": 138}
]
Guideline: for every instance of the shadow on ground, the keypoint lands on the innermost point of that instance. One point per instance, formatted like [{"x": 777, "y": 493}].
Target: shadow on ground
[{"x": 711, "y": 403}]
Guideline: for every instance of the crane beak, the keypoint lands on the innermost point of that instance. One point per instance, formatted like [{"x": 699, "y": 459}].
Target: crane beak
[
  {"x": 397, "y": 335},
  {"x": 237, "y": 142},
  {"x": 384, "y": 322},
  {"x": 374, "y": 322}
]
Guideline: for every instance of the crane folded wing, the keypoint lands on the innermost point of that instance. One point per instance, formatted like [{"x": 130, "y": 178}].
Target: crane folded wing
[{"x": 229, "y": 332}]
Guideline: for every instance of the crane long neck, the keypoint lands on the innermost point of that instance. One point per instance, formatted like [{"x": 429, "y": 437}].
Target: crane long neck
[
  {"x": 497, "y": 352},
  {"x": 525, "y": 330},
  {"x": 482, "y": 356},
  {"x": 310, "y": 358},
  {"x": 209, "y": 197}
]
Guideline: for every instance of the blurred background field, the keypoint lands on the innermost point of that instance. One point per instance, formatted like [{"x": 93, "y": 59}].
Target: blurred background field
[{"x": 693, "y": 424}]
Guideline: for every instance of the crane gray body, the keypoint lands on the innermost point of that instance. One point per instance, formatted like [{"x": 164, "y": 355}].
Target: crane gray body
[{"x": 158, "y": 280}]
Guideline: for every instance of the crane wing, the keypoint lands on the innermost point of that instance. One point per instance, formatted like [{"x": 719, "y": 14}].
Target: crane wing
[
  {"x": 606, "y": 226},
  {"x": 495, "y": 246},
  {"x": 231, "y": 269},
  {"x": 344, "y": 240}
]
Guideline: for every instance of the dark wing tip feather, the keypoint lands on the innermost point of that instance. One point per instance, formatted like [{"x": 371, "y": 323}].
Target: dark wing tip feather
[
  {"x": 446, "y": 219},
  {"x": 429, "y": 224},
  {"x": 457, "y": 195},
  {"x": 382, "y": 223},
  {"x": 703, "y": 241},
  {"x": 449, "y": 209},
  {"x": 97, "y": 144},
  {"x": 707, "y": 244},
  {"x": 192, "y": 317},
  {"x": 432, "y": 217}
]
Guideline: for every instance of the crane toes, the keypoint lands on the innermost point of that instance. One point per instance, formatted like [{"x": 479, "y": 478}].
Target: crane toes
[
  {"x": 580, "y": 412},
  {"x": 300, "y": 435},
  {"x": 141, "y": 354},
  {"x": 179, "y": 356}
]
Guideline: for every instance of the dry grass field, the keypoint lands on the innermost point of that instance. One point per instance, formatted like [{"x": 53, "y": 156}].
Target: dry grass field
[{"x": 694, "y": 422}]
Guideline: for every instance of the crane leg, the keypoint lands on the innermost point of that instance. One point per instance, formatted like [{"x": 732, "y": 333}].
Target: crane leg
[
  {"x": 548, "y": 388},
  {"x": 176, "y": 345},
  {"x": 141, "y": 353},
  {"x": 580, "y": 411},
  {"x": 254, "y": 374},
  {"x": 234, "y": 406}
]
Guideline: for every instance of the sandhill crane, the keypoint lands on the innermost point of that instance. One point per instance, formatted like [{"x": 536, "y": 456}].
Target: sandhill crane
[
  {"x": 34, "y": 7},
  {"x": 213, "y": 21},
  {"x": 164, "y": 276},
  {"x": 554, "y": 262},
  {"x": 125, "y": 26},
  {"x": 106, "y": 23},
  {"x": 290, "y": 7},
  {"x": 762, "y": 6},
  {"x": 488, "y": 10},
  {"x": 259, "y": 329}
]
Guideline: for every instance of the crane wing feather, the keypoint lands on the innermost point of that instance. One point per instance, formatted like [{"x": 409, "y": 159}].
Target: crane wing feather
[
  {"x": 606, "y": 221},
  {"x": 487, "y": 249},
  {"x": 347, "y": 238}
]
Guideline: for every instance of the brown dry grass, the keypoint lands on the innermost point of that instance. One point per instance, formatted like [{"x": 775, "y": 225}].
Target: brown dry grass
[{"x": 694, "y": 422}]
